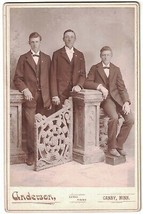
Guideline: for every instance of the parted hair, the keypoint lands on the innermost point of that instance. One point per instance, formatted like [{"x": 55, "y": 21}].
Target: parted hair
[
  {"x": 69, "y": 30},
  {"x": 35, "y": 35},
  {"x": 105, "y": 48}
]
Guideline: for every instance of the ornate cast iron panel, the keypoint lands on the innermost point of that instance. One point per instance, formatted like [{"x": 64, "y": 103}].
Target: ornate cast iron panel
[{"x": 54, "y": 137}]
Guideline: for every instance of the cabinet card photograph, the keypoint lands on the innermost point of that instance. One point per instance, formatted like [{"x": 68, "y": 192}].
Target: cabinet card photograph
[{"x": 72, "y": 107}]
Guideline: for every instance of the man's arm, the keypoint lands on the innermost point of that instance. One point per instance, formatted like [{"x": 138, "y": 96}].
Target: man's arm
[
  {"x": 90, "y": 80},
  {"x": 53, "y": 76},
  {"x": 53, "y": 80},
  {"x": 19, "y": 75},
  {"x": 91, "y": 83},
  {"x": 19, "y": 80},
  {"x": 122, "y": 88},
  {"x": 82, "y": 75}
]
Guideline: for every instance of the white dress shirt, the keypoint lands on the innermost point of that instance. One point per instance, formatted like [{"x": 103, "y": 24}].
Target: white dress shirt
[
  {"x": 106, "y": 70},
  {"x": 36, "y": 59},
  {"x": 69, "y": 52}
]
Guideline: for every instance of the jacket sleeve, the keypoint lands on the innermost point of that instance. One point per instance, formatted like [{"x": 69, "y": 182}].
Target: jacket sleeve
[
  {"x": 19, "y": 75},
  {"x": 90, "y": 82},
  {"x": 122, "y": 88},
  {"x": 53, "y": 76},
  {"x": 82, "y": 76}
]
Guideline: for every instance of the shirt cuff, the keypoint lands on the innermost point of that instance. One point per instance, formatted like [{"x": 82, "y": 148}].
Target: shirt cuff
[
  {"x": 24, "y": 90},
  {"x": 54, "y": 97},
  {"x": 99, "y": 86}
]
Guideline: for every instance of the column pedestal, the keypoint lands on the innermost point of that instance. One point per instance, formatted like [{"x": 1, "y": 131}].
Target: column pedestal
[
  {"x": 86, "y": 105},
  {"x": 17, "y": 155}
]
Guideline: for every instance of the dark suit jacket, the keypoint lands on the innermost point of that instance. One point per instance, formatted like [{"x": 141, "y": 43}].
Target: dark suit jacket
[
  {"x": 61, "y": 71},
  {"x": 25, "y": 76},
  {"x": 117, "y": 87}
]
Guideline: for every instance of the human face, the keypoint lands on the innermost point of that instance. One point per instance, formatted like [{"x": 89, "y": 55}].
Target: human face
[
  {"x": 69, "y": 39},
  {"x": 35, "y": 44},
  {"x": 106, "y": 56}
]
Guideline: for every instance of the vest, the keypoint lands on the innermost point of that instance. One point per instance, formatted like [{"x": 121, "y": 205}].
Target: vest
[
  {"x": 107, "y": 86},
  {"x": 38, "y": 72},
  {"x": 71, "y": 71}
]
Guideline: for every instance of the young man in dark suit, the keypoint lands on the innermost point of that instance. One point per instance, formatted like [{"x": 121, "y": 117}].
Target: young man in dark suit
[
  {"x": 67, "y": 70},
  {"x": 32, "y": 79},
  {"x": 107, "y": 78}
]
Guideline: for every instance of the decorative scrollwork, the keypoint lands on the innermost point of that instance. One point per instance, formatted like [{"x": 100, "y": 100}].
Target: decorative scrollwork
[{"x": 54, "y": 137}]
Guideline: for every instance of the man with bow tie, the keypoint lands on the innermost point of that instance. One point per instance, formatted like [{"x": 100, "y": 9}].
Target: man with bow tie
[
  {"x": 107, "y": 78},
  {"x": 67, "y": 70},
  {"x": 32, "y": 79}
]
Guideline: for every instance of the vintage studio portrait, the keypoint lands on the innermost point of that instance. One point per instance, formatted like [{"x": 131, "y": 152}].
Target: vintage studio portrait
[{"x": 72, "y": 99}]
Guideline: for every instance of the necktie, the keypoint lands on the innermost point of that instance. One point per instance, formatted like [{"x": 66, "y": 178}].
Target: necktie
[
  {"x": 106, "y": 67},
  {"x": 35, "y": 55}
]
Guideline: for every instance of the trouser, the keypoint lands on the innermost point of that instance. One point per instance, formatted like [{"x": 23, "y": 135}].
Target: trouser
[
  {"x": 29, "y": 120},
  {"x": 113, "y": 109}
]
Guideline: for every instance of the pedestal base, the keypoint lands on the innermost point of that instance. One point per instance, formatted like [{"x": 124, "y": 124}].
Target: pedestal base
[
  {"x": 18, "y": 158},
  {"x": 113, "y": 160},
  {"x": 94, "y": 156}
]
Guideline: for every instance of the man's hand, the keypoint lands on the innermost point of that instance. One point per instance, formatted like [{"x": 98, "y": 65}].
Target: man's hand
[
  {"x": 56, "y": 100},
  {"x": 76, "y": 88},
  {"x": 104, "y": 91},
  {"x": 126, "y": 108},
  {"x": 27, "y": 94}
]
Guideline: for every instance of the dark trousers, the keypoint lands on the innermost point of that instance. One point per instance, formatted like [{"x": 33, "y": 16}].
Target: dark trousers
[
  {"x": 113, "y": 109},
  {"x": 29, "y": 120}
]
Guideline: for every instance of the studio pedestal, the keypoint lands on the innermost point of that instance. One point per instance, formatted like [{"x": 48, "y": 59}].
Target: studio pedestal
[
  {"x": 86, "y": 105},
  {"x": 16, "y": 153}
]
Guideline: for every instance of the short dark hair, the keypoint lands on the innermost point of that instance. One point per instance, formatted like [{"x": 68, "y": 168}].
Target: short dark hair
[
  {"x": 35, "y": 35},
  {"x": 105, "y": 48},
  {"x": 69, "y": 30}
]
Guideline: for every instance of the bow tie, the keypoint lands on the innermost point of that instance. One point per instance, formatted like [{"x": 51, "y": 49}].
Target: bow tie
[
  {"x": 35, "y": 55},
  {"x": 106, "y": 67}
]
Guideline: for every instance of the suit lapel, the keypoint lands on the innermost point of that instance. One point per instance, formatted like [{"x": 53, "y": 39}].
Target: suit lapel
[
  {"x": 111, "y": 72},
  {"x": 101, "y": 72},
  {"x": 75, "y": 56},
  {"x": 64, "y": 54},
  {"x": 42, "y": 64},
  {"x": 30, "y": 60}
]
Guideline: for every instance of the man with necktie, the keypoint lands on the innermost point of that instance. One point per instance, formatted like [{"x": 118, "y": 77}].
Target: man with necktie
[
  {"x": 107, "y": 78},
  {"x": 67, "y": 70},
  {"x": 32, "y": 79}
]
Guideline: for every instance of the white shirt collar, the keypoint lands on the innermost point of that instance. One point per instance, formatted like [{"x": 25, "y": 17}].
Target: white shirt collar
[
  {"x": 38, "y": 53},
  {"x": 105, "y": 65},
  {"x": 69, "y": 50}
]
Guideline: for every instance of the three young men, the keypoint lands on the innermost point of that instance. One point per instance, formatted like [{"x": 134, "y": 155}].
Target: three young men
[{"x": 43, "y": 83}]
